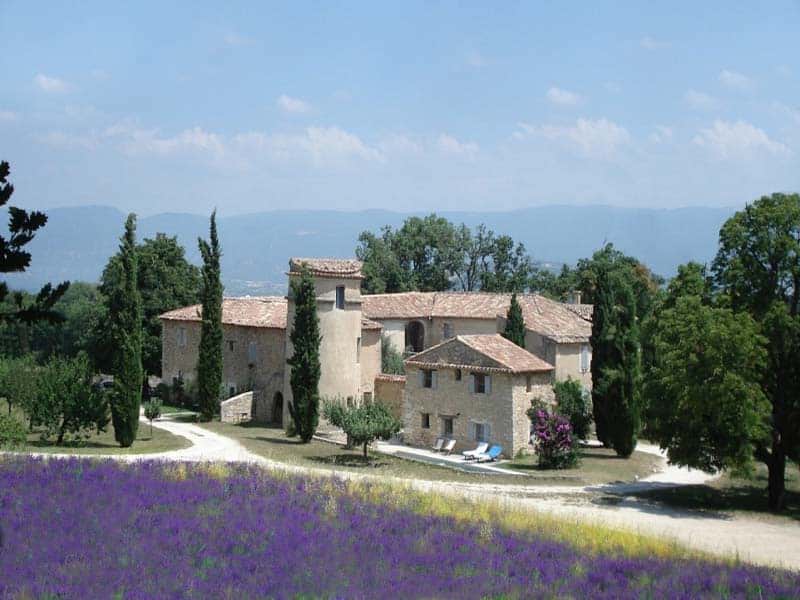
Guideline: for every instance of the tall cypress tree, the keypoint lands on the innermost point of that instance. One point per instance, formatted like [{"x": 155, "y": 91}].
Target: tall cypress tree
[
  {"x": 515, "y": 324},
  {"x": 305, "y": 364},
  {"x": 602, "y": 352},
  {"x": 209, "y": 362},
  {"x": 125, "y": 324}
]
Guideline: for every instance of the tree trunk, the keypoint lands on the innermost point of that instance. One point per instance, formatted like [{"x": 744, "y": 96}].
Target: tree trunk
[
  {"x": 777, "y": 484},
  {"x": 365, "y": 449}
]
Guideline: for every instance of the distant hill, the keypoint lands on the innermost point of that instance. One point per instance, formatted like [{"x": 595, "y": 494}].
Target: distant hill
[{"x": 77, "y": 242}]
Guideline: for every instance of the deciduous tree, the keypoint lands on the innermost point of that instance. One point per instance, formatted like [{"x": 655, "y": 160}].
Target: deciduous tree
[{"x": 363, "y": 424}]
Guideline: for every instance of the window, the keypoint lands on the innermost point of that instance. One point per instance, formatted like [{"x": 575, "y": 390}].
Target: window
[
  {"x": 481, "y": 383},
  {"x": 447, "y": 426},
  {"x": 367, "y": 397},
  {"x": 181, "y": 337},
  {"x": 358, "y": 350},
  {"x": 426, "y": 421},
  {"x": 447, "y": 331},
  {"x": 528, "y": 385},
  {"x": 252, "y": 352},
  {"x": 458, "y": 375},
  {"x": 231, "y": 344},
  {"x": 340, "y": 297},
  {"x": 480, "y": 432},
  {"x": 584, "y": 358},
  {"x": 428, "y": 377},
  {"x": 231, "y": 390}
]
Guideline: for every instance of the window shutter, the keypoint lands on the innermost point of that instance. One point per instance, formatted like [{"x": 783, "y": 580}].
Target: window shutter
[
  {"x": 487, "y": 432},
  {"x": 434, "y": 379},
  {"x": 488, "y": 384},
  {"x": 471, "y": 383},
  {"x": 421, "y": 378}
]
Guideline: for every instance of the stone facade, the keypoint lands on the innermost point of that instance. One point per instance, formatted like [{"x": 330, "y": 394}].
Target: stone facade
[
  {"x": 238, "y": 409},
  {"x": 501, "y": 411},
  {"x": 571, "y": 360},
  {"x": 389, "y": 391}
]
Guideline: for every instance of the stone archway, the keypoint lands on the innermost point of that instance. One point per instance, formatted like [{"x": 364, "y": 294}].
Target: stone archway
[
  {"x": 415, "y": 337},
  {"x": 277, "y": 408}
]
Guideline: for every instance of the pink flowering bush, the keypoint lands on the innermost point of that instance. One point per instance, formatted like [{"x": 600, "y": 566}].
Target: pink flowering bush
[{"x": 554, "y": 442}]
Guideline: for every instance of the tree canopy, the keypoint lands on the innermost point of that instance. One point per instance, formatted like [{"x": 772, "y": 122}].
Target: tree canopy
[{"x": 363, "y": 424}]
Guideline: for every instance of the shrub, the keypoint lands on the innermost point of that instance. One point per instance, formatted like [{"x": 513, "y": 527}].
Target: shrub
[
  {"x": 555, "y": 444},
  {"x": 574, "y": 403},
  {"x": 13, "y": 433},
  {"x": 164, "y": 392},
  {"x": 391, "y": 359},
  {"x": 152, "y": 410}
]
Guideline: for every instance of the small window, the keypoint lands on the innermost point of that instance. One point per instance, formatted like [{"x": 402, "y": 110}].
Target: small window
[
  {"x": 340, "y": 297},
  {"x": 584, "y": 358},
  {"x": 480, "y": 432},
  {"x": 458, "y": 375},
  {"x": 447, "y": 331},
  {"x": 447, "y": 426},
  {"x": 528, "y": 383},
  {"x": 358, "y": 350},
  {"x": 231, "y": 390},
  {"x": 231, "y": 345},
  {"x": 181, "y": 337},
  {"x": 426, "y": 420},
  {"x": 252, "y": 352},
  {"x": 427, "y": 378},
  {"x": 479, "y": 380},
  {"x": 367, "y": 397}
]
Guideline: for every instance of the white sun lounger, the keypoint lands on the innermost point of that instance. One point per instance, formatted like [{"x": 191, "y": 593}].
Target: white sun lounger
[
  {"x": 448, "y": 447},
  {"x": 473, "y": 454},
  {"x": 438, "y": 445}
]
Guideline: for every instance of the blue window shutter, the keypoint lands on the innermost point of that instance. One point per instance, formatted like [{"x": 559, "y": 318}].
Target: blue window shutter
[
  {"x": 471, "y": 383},
  {"x": 434, "y": 379},
  {"x": 421, "y": 378},
  {"x": 488, "y": 384}
]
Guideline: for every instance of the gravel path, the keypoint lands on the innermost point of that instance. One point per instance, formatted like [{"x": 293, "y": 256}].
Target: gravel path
[{"x": 760, "y": 541}]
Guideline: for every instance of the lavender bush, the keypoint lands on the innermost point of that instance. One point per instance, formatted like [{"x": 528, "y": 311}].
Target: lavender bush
[
  {"x": 555, "y": 444},
  {"x": 82, "y": 529}
]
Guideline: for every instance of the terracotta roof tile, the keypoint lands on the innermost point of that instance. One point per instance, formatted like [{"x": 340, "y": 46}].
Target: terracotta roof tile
[
  {"x": 346, "y": 268},
  {"x": 370, "y": 324},
  {"x": 390, "y": 377},
  {"x": 562, "y": 323},
  {"x": 256, "y": 311},
  {"x": 486, "y": 352}
]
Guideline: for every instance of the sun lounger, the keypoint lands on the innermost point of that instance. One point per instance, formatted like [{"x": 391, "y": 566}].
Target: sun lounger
[
  {"x": 472, "y": 454},
  {"x": 448, "y": 447},
  {"x": 491, "y": 455},
  {"x": 438, "y": 445}
]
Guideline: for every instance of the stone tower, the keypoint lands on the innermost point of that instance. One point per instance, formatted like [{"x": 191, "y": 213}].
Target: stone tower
[{"x": 337, "y": 283}]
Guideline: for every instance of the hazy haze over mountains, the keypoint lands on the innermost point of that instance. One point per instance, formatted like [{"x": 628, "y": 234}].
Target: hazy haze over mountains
[{"x": 77, "y": 242}]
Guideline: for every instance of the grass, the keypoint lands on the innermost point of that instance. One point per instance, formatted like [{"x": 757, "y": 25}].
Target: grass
[
  {"x": 733, "y": 494},
  {"x": 599, "y": 465},
  {"x": 104, "y": 443},
  {"x": 272, "y": 443}
]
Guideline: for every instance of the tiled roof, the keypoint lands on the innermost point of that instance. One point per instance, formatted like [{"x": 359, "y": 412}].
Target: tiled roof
[
  {"x": 390, "y": 377},
  {"x": 256, "y": 311},
  {"x": 345, "y": 268},
  {"x": 486, "y": 352},
  {"x": 370, "y": 324},
  {"x": 562, "y": 323},
  {"x": 583, "y": 310}
]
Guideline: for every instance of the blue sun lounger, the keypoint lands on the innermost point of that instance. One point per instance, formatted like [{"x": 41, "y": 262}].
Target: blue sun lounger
[{"x": 491, "y": 455}]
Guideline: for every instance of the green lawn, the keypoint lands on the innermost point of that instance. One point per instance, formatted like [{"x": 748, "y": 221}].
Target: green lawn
[
  {"x": 728, "y": 493},
  {"x": 272, "y": 443},
  {"x": 104, "y": 443}
]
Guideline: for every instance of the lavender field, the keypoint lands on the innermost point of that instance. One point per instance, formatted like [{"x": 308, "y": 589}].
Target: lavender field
[{"x": 87, "y": 529}]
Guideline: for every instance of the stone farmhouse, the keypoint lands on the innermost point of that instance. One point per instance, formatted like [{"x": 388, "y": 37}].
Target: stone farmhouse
[{"x": 442, "y": 334}]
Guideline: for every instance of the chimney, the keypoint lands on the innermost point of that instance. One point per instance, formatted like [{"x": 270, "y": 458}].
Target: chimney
[{"x": 574, "y": 297}]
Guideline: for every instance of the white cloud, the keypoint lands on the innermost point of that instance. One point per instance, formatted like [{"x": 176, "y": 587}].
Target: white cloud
[
  {"x": 51, "y": 85},
  {"x": 561, "y": 97},
  {"x": 450, "y": 145},
  {"x": 661, "y": 135},
  {"x": 292, "y": 105},
  {"x": 735, "y": 80},
  {"x": 400, "y": 144},
  {"x": 649, "y": 43},
  {"x": 591, "y": 137},
  {"x": 700, "y": 100},
  {"x": 738, "y": 140},
  {"x": 8, "y": 115}
]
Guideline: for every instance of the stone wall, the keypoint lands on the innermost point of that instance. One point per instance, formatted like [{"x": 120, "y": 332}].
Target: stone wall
[
  {"x": 566, "y": 358},
  {"x": 370, "y": 360},
  {"x": 502, "y": 409},
  {"x": 389, "y": 391},
  {"x": 238, "y": 409}
]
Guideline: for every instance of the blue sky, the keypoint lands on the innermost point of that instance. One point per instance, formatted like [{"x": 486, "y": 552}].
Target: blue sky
[{"x": 421, "y": 106}]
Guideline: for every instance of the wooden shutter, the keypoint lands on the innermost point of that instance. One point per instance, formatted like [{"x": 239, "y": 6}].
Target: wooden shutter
[
  {"x": 434, "y": 379},
  {"x": 421, "y": 378},
  {"x": 487, "y": 432},
  {"x": 472, "y": 383},
  {"x": 488, "y": 384}
]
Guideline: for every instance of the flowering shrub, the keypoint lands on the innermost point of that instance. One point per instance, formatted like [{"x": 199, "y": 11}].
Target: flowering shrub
[
  {"x": 555, "y": 445},
  {"x": 87, "y": 529}
]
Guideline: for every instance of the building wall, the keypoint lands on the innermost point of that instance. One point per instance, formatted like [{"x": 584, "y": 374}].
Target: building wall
[
  {"x": 389, "y": 391},
  {"x": 503, "y": 409},
  {"x": 340, "y": 373},
  {"x": 370, "y": 362},
  {"x": 566, "y": 358},
  {"x": 395, "y": 332},
  {"x": 264, "y": 375},
  {"x": 457, "y": 327}
]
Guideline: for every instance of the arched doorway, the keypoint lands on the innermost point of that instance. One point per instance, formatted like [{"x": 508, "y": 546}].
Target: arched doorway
[
  {"x": 277, "y": 408},
  {"x": 415, "y": 337}
]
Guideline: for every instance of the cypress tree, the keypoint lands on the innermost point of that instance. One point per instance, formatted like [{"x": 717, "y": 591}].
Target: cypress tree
[
  {"x": 209, "y": 362},
  {"x": 305, "y": 364},
  {"x": 602, "y": 352},
  {"x": 125, "y": 325},
  {"x": 515, "y": 324}
]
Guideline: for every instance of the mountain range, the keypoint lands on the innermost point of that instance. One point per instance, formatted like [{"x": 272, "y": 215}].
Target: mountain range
[{"x": 77, "y": 241}]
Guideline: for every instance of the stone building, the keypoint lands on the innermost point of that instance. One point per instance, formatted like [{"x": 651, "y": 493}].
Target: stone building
[
  {"x": 557, "y": 333},
  {"x": 474, "y": 388}
]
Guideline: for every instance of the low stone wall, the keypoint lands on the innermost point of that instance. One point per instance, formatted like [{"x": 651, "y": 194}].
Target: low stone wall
[
  {"x": 389, "y": 392},
  {"x": 237, "y": 409}
]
